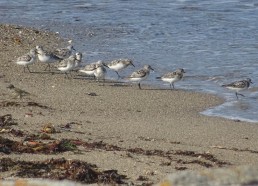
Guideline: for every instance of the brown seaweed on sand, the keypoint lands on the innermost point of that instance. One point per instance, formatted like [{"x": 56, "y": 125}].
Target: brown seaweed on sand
[
  {"x": 60, "y": 169},
  {"x": 8, "y": 146},
  {"x": 22, "y": 104},
  {"x": 6, "y": 120}
]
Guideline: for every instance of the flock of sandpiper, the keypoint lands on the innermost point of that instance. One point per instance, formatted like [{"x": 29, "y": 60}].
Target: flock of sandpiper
[{"x": 67, "y": 61}]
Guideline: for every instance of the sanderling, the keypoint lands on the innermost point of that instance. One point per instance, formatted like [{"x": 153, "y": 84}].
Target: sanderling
[
  {"x": 239, "y": 86},
  {"x": 119, "y": 64},
  {"x": 89, "y": 69},
  {"x": 78, "y": 60},
  {"x": 46, "y": 57},
  {"x": 27, "y": 59},
  {"x": 172, "y": 77},
  {"x": 67, "y": 64},
  {"x": 17, "y": 93},
  {"x": 64, "y": 52},
  {"x": 140, "y": 75},
  {"x": 77, "y": 64},
  {"x": 100, "y": 71}
]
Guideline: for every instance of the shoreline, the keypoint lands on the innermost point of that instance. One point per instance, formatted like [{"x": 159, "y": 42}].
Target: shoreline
[{"x": 154, "y": 120}]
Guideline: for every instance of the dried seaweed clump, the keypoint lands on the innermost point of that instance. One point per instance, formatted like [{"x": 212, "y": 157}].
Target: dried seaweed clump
[
  {"x": 60, "y": 169},
  {"x": 6, "y": 120}
]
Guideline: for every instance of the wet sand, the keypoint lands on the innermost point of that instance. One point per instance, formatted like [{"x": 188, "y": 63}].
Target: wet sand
[{"x": 164, "y": 128}]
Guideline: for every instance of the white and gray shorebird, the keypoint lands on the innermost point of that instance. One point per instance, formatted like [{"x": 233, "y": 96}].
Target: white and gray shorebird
[
  {"x": 172, "y": 77},
  {"x": 64, "y": 52},
  {"x": 140, "y": 75},
  {"x": 100, "y": 71},
  {"x": 119, "y": 64},
  {"x": 27, "y": 59},
  {"x": 239, "y": 86},
  {"x": 78, "y": 61},
  {"x": 67, "y": 65},
  {"x": 46, "y": 57},
  {"x": 89, "y": 68}
]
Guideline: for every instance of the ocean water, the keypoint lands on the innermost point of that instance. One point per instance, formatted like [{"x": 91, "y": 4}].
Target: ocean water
[{"x": 216, "y": 42}]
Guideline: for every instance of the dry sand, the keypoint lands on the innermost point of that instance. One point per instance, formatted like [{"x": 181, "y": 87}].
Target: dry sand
[{"x": 153, "y": 120}]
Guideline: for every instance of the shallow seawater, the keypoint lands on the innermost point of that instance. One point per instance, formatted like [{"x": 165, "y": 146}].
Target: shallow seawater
[{"x": 216, "y": 42}]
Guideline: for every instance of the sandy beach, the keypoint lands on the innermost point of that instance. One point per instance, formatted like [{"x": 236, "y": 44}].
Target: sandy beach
[{"x": 155, "y": 131}]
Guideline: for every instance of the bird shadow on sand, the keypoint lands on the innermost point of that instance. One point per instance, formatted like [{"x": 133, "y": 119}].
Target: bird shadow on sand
[
  {"x": 107, "y": 82},
  {"x": 44, "y": 72}
]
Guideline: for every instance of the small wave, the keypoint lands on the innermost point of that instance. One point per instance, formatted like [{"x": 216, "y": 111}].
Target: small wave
[
  {"x": 224, "y": 111},
  {"x": 210, "y": 112}
]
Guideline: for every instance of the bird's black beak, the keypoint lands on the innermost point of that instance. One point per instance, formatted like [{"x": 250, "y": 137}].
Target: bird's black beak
[
  {"x": 132, "y": 64},
  {"x": 104, "y": 64}
]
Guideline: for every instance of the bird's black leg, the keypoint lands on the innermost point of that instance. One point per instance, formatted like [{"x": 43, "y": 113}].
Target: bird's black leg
[
  {"x": 104, "y": 80},
  {"x": 66, "y": 75},
  {"x": 139, "y": 85},
  {"x": 28, "y": 68},
  {"x": 236, "y": 95},
  {"x": 118, "y": 75},
  {"x": 71, "y": 75},
  {"x": 48, "y": 66},
  {"x": 240, "y": 94}
]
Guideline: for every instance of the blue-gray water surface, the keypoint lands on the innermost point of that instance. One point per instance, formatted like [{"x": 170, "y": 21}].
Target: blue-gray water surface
[{"x": 216, "y": 42}]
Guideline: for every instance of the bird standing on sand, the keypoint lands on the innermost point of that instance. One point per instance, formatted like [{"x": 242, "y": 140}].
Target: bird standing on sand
[
  {"x": 89, "y": 69},
  {"x": 100, "y": 71},
  {"x": 27, "y": 59},
  {"x": 67, "y": 64},
  {"x": 64, "y": 52},
  {"x": 119, "y": 64},
  {"x": 140, "y": 75},
  {"x": 16, "y": 92},
  {"x": 239, "y": 86},
  {"x": 78, "y": 60},
  {"x": 46, "y": 57},
  {"x": 172, "y": 77}
]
